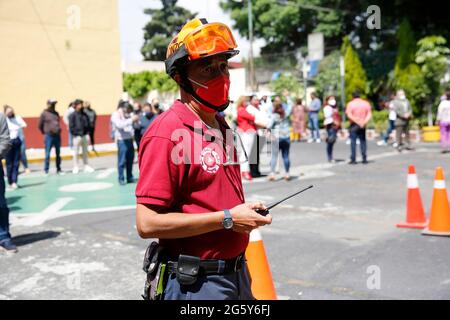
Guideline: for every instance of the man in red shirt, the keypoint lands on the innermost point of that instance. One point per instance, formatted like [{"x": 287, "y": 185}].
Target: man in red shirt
[
  {"x": 359, "y": 113},
  {"x": 189, "y": 193}
]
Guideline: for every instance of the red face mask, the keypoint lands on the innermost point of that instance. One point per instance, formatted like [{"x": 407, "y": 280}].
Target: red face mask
[{"x": 214, "y": 91}]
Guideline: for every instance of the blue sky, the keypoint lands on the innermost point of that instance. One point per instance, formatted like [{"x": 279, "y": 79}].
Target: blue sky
[{"x": 132, "y": 19}]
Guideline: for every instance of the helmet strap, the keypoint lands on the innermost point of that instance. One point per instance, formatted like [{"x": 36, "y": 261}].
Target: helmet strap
[{"x": 186, "y": 84}]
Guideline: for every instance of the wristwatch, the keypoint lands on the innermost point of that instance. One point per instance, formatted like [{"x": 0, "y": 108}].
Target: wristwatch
[{"x": 227, "y": 222}]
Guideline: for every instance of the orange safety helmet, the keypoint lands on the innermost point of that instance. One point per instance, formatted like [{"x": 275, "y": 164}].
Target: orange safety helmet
[{"x": 198, "y": 39}]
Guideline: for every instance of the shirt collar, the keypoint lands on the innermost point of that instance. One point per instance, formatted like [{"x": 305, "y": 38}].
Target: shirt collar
[{"x": 188, "y": 117}]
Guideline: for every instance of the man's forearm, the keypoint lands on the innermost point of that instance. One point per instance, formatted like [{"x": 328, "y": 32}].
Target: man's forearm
[{"x": 175, "y": 225}]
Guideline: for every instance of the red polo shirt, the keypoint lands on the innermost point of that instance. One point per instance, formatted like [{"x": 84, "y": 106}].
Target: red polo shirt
[{"x": 182, "y": 170}]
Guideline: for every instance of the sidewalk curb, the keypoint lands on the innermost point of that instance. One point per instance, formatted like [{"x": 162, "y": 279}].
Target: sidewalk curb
[{"x": 91, "y": 154}]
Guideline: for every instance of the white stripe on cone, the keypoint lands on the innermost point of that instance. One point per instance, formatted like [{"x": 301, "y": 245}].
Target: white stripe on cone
[
  {"x": 255, "y": 235},
  {"x": 413, "y": 183},
  {"x": 439, "y": 184}
]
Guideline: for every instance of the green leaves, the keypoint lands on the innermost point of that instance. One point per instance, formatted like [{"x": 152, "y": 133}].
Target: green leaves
[
  {"x": 355, "y": 75},
  {"x": 285, "y": 82},
  {"x": 163, "y": 26},
  {"x": 139, "y": 84}
]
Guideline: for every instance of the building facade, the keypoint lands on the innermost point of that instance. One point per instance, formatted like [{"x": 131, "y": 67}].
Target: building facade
[{"x": 59, "y": 49}]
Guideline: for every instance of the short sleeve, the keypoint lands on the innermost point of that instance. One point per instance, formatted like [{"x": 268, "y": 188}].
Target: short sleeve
[{"x": 159, "y": 176}]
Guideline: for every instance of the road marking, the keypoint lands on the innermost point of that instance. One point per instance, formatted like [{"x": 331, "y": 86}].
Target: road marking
[
  {"x": 105, "y": 173},
  {"x": 22, "y": 219},
  {"x": 49, "y": 213},
  {"x": 86, "y": 187}
]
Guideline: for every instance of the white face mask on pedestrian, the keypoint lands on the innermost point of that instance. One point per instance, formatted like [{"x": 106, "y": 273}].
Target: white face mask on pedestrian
[{"x": 332, "y": 102}]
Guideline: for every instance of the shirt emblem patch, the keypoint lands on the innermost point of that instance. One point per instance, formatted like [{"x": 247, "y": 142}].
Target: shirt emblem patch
[{"x": 209, "y": 160}]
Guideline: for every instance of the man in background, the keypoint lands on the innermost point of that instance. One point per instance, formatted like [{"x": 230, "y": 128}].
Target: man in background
[
  {"x": 92, "y": 115},
  {"x": 403, "y": 110},
  {"x": 122, "y": 121},
  {"x": 49, "y": 125},
  {"x": 313, "y": 115},
  {"x": 359, "y": 113}
]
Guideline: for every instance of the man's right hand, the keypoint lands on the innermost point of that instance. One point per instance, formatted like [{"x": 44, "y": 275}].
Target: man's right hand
[{"x": 245, "y": 218}]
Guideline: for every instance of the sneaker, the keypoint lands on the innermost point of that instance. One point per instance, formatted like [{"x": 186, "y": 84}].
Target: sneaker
[
  {"x": 27, "y": 171},
  {"x": 271, "y": 177},
  {"x": 310, "y": 140},
  {"x": 381, "y": 143},
  {"x": 75, "y": 170},
  {"x": 365, "y": 162},
  {"x": 287, "y": 177},
  {"x": 122, "y": 183},
  {"x": 8, "y": 246},
  {"x": 132, "y": 180},
  {"x": 88, "y": 169},
  {"x": 247, "y": 176},
  {"x": 318, "y": 141},
  {"x": 14, "y": 186},
  {"x": 352, "y": 162},
  {"x": 395, "y": 145},
  {"x": 60, "y": 173}
]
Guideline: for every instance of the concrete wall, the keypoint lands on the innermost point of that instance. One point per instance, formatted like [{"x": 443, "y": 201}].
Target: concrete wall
[{"x": 61, "y": 49}]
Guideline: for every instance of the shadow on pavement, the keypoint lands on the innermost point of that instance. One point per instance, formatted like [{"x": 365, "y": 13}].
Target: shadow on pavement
[
  {"x": 29, "y": 238},
  {"x": 23, "y": 186},
  {"x": 12, "y": 200}
]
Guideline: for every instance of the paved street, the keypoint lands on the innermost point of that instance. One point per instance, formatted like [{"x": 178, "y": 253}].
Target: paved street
[{"x": 77, "y": 237}]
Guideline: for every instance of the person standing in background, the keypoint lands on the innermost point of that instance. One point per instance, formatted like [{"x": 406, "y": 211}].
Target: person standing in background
[
  {"x": 122, "y": 121},
  {"x": 156, "y": 106},
  {"x": 443, "y": 120},
  {"x": 279, "y": 124},
  {"x": 298, "y": 120},
  {"x": 403, "y": 110},
  {"x": 359, "y": 113},
  {"x": 15, "y": 124},
  {"x": 23, "y": 152},
  {"x": 246, "y": 129},
  {"x": 92, "y": 115},
  {"x": 6, "y": 243},
  {"x": 137, "y": 110},
  {"x": 49, "y": 125},
  {"x": 391, "y": 122},
  {"x": 69, "y": 111},
  {"x": 146, "y": 119},
  {"x": 79, "y": 128},
  {"x": 332, "y": 123},
  {"x": 313, "y": 114},
  {"x": 261, "y": 119}
]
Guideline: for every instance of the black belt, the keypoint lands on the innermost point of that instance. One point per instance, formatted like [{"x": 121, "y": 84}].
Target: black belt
[{"x": 214, "y": 266}]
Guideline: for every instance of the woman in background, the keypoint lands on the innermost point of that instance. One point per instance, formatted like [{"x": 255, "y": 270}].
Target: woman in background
[
  {"x": 15, "y": 124},
  {"x": 246, "y": 129},
  {"x": 332, "y": 124},
  {"x": 279, "y": 124},
  {"x": 298, "y": 120}
]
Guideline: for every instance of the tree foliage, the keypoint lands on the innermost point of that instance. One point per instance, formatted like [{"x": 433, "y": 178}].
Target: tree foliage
[
  {"x": 139, "y": 84},
  {"x": 285, "y": 81},
  {"x": 285, "y": 24},
  {"x": 355, "y": 75},
  {"x": 163, "y": 26},
  {"x": 432, "y": 58},
  {"x": 407, "y": 74},
  {"x": 327, "y": 81}
]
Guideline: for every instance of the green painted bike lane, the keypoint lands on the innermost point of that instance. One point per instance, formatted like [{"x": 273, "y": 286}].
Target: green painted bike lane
[{"x": 83, "y": 191}]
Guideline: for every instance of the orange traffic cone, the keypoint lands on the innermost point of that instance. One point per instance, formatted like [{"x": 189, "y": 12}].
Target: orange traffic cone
[
  {"x": 258, "y": 267},
  {"x": 415, "y": 215},
  {"x": 439, "y": 224}
]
